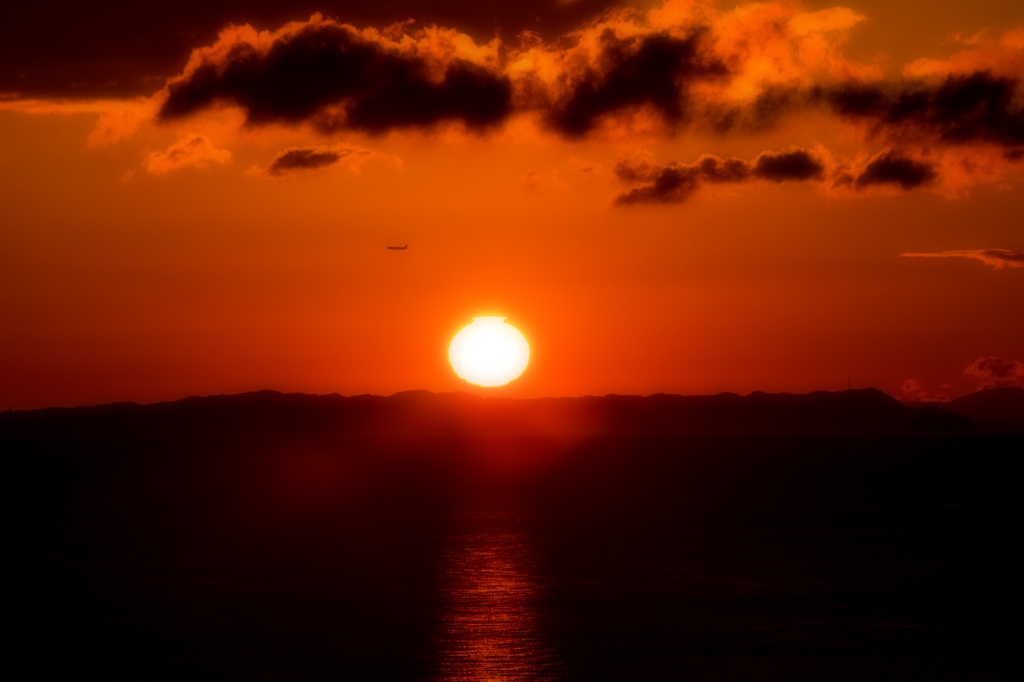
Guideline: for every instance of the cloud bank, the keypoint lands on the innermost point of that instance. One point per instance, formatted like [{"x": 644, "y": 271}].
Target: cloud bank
[
  {"x": 684, "y": 67},
  {"x": 681, "y": 65}
]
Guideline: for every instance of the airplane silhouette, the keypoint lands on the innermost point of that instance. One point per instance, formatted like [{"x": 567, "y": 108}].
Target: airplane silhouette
[{"x": 398, "y": 248}]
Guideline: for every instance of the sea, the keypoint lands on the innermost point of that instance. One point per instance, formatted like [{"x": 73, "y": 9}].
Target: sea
[{"x": 605, "y": 557}]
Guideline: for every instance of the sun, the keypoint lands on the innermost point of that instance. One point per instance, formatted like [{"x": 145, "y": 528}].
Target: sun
[{"x": 489, "y": 352}]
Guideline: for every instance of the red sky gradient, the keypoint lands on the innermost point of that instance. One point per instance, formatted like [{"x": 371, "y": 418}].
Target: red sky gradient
[{"x": 681, "y": 197}]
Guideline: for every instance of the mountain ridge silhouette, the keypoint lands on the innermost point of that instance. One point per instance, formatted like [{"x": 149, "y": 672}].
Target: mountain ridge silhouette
[
  {"x": 417, "y": 413},
  {"x": 1003, "y": 405}
]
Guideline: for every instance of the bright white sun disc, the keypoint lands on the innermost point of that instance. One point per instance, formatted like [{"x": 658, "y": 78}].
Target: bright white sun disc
[{"x": 489, "y": 352}]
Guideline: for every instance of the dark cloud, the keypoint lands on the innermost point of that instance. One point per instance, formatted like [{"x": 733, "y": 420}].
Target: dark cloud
[
  {"x": 334, "y": 76},
  {"x": 674, "y": 183},
  {"x": 714, "y": 169},
  {"x": 976, "y": 107},
  {"x": 300, "y": 159},
  {"x": 308, "y": 75},
  {"x": 798, "y": 165},
  {"x": 996, "y": 372},
  {"x": 654, "y": 70},
  {"x": 892, "y": 168},
  {"x": 303, "y": 158},
  {"x": 124, "y": 48},
  {"x": 669, "y": 185}
]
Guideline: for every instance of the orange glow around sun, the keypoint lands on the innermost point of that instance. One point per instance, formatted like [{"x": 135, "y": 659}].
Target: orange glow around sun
[{"x": 489, "y": 352}]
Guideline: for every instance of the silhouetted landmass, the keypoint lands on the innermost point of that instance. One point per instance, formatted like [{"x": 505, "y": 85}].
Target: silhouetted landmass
[
  {"x": 994, "y": 405},
  {"x": 415, "y": 413}
]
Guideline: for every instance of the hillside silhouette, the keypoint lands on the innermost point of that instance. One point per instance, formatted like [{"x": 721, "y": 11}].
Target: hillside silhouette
[
  {"x": 994, "y": 405},
  {"x": 417, "y": 413}
]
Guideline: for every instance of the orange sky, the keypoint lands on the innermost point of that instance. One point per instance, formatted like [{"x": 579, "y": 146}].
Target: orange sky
[{"x": 159, "y": 244}]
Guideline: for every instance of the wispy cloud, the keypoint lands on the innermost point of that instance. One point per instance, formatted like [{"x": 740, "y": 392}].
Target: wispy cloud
[
  {"x": 996, "y": 372},
  {"x": 913, "y": 391},
  {"x": 192, "y": 151},
  {"x": 315, "y": 158},
  {"x": 997, "y": 258},
  {"x": 118, "y": 118}
]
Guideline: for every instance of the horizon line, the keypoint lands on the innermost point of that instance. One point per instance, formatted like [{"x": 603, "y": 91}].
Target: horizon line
[{"x": 477, "y": 395}]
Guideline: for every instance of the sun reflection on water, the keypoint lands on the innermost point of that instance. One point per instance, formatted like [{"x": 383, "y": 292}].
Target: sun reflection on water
[{"x": 493, "y": 624}]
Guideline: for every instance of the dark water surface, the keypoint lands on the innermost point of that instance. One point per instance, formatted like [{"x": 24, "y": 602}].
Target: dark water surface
[{"x": 611, "y": 558}]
